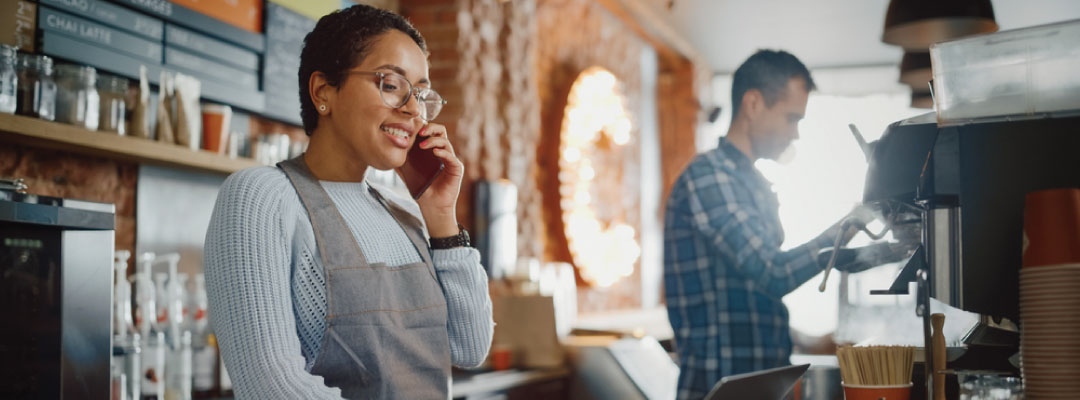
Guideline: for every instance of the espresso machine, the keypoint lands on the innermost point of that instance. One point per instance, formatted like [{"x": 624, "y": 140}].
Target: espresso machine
[
  {"x": 55, "y": 296},
  {"x": 957, "y": 193}
]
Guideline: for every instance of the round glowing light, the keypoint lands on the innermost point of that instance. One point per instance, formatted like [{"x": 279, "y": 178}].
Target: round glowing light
[
  {"x": 604, "y": 251},
  {"x": 582, "y": 197},
  {"x": 572, "y": 154},
  {"x": 587, "y": 173},
  {"x": 622, "y": 132}
]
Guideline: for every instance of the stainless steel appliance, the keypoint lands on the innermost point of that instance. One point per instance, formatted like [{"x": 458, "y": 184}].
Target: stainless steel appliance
[
  {"x": 55, "y": 297},
  {"x": 495, "y": 227},
  {"x": 958, "y": 192}
]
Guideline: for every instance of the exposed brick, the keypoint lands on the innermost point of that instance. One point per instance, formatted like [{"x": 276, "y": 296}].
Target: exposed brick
[
  {"x": 444, "y": 54},
  {"x": 421, "y": 18},
  {"x": 408, "y": 5},
  {"x": 61, "y": 174},
  {"x": 447, "y": 16}
]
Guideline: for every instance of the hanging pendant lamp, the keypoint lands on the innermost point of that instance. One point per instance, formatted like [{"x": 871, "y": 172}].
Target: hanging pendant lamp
[
  {"x": 915, "y": 69},
  {"x": 921, "y": 96},
  {"x": 916, "y": 24},
  {"x": 922, "y": 100}
]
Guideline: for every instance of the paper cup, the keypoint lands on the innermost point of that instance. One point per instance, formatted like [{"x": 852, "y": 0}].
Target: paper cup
[
  {"x": 866, "y": 392},
  {"x": 216, "y": 119}
]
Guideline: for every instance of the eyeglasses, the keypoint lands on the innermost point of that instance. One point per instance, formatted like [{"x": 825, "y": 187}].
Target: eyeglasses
[{"x": 395, "y": 91}]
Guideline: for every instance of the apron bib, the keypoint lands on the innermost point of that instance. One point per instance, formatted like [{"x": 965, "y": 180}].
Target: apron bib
[{"x": 386, "y": 331}]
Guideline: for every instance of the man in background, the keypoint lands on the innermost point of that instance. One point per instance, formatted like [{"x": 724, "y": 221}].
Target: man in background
[{"x": 724, "y": 272}]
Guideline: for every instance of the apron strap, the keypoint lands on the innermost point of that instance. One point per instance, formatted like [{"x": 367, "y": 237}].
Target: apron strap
[
  {"x": 337, "y": 246},
  {"x": 412, "y": 227}
]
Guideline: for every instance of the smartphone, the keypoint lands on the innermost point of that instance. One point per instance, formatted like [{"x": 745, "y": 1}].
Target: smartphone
[{"x": 420, "y": 169}]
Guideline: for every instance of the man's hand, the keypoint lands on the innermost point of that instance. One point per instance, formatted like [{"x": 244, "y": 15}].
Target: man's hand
[{"x": 856, "y": 220}]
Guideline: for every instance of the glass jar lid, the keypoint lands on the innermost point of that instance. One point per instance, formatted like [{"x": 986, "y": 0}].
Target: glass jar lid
[
  {"x": 82, "y": 73},
  {"x": 7, "y": 52},
  {"x": 38, "y": 62},
  {"x": 112, "y": 83}
]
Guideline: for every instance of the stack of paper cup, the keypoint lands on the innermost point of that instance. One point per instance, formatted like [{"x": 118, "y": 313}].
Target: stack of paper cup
[{"x": 1050, "y": 295}]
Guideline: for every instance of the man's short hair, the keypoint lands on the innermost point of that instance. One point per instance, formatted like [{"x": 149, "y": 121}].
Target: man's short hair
[{"x": 768, "y": 71}]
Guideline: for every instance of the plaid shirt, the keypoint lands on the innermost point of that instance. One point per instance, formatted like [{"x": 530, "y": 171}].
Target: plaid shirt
[{"x": 724, "y": 273}]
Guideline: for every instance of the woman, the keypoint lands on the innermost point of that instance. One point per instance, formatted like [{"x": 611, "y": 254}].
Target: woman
[{"x": 322, "y": 286}]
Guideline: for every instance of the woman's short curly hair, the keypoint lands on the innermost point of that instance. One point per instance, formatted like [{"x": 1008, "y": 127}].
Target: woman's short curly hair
[{"x": 340, "y": 41}]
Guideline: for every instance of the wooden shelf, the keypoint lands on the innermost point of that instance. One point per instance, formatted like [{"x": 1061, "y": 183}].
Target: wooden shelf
[{"x": 58, "y": 136}]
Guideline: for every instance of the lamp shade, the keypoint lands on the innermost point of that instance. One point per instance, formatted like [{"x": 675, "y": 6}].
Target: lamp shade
[
  {"x": 915, "y": 69},
  {"x": 916, "y": 24},
  {"x": 922, "y": 100},
  {"x": 921, "y": 97}
]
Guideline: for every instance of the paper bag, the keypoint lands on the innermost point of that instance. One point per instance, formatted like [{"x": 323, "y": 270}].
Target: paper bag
[{"x": 526, "y": 324}]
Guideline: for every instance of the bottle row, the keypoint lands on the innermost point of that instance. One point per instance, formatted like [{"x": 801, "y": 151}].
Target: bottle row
[{"x": 163, "y": 347}]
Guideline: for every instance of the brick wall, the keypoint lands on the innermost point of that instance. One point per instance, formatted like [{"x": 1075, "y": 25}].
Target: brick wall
[
  {"x": 576, "y": 35},
  {"x": 76, "y": 176},
  {"x": 506, "y": 69},
  {"x": 60, "y": 174},
  {"x": 482, "y": 57},
  {"x": 679, "y": 87}
]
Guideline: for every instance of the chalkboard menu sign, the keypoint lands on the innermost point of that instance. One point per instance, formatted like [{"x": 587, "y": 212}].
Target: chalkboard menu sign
[
  {"x": 255, "y": 72},
  {"x": 285, "y": 32},
  {"x": 198, "y": 21},
  {"x": 206, "y": 46},
  {"x": 111, "y": 14},
  {"x": 102, "y": 35}
]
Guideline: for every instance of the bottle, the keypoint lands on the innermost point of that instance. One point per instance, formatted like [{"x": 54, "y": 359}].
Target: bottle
[
  {"x": 203, "y": 346},
  {"x": 199, "y": 304},
  {"x": 161, "y": 313},
  {"x": 112, "y": 91},
  {"x": 77, "y": 100},
  {"x": 145, "y": 297},
  {"x": 151, "y": 369},
  {"x": 119, "y": 381},
  {"x": 125, "y": 366},
  {"x": 123, "y": 323},
  {"x": 9, "y": 79},
  {"x": 37, "y": 87},
  {"x": 174, "y": 302},
  {"x": 132, "y": 363},
  {"x": 185, "y": 299},
  {"x": 178, "y": 382},
  {"x": 123, "y": 329}
]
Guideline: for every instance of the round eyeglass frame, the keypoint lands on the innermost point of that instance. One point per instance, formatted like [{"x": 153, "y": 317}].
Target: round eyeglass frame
[{"x": 414, "y": 92}]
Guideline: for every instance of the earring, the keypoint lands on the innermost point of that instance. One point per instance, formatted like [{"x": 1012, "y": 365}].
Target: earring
[{"x": 322, "y": 107}]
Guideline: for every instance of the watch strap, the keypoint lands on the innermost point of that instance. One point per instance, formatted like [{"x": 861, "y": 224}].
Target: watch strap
[{"x": 459, "y": 240}]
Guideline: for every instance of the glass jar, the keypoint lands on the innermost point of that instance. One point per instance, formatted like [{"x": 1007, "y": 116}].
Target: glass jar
[
  {"x": 37, "y": 89},
  {"x": 9, "y": 80},
  {"x": 77, "y": 100},
  {"x": 113, "y": 93}
]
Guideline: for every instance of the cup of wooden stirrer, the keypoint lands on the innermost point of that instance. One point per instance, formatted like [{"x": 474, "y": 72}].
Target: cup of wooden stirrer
[{"x": 876, "y": 372}]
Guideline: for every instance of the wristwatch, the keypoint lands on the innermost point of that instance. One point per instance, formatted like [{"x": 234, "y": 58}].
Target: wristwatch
[{"x": 459, "y": 240}]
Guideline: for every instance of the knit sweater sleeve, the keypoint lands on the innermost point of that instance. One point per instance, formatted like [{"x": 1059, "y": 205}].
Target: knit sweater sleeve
[
  {"x": 247, "y": 257},
  {"x": 469, "y": 323}
]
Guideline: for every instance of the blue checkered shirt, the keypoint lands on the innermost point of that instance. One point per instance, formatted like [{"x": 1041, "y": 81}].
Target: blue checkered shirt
[{"x": 724, "y": 273}]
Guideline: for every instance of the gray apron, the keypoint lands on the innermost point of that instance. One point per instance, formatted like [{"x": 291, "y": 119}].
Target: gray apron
[{"x": 386, "y": 334}]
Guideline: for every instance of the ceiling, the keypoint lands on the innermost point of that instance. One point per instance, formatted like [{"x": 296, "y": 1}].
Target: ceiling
[{"x": 822, "y": 33}]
